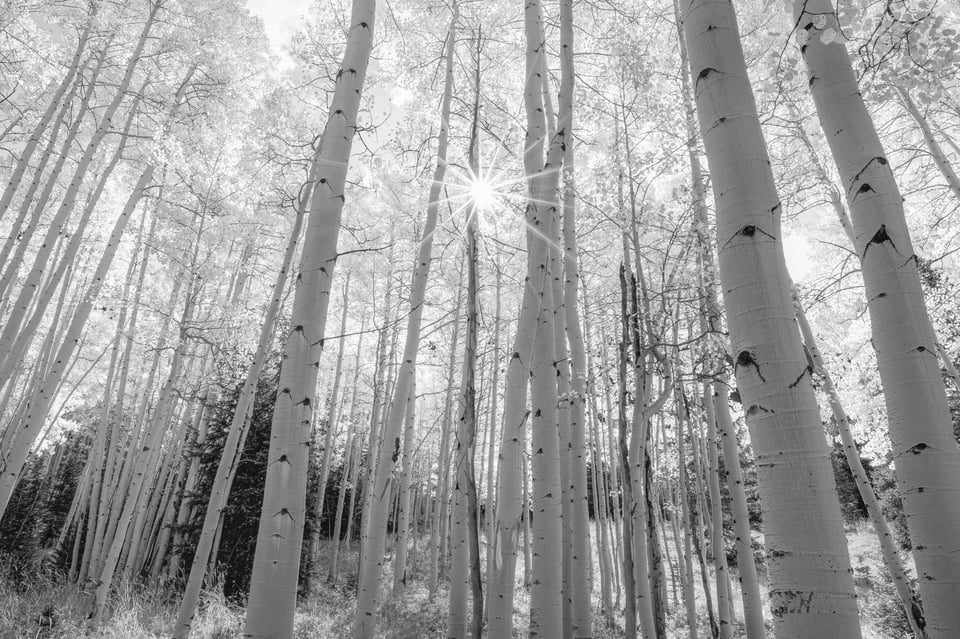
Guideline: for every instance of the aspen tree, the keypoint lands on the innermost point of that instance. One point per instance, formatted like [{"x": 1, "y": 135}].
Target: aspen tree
[
  {"x": 580, "y": 570},
  {"x": 465, "y": 546},
  {"x": 933, "y": 147},
  {"x": 926, "y": 455},
  {"x": 711, "y": 320},
  {"x": 810, "y": 583},
  {"x": 368, "y": 594},
  {"x": 351, "y": 463},
  {"x": 439, "y": 515},
  {"x": 546, "y": 597},
  {"x": 333, "y": 416},
  {"x": 273, "y": 584},
  {"x": 403, "y": 520},
  {"x": 891, "y": 556}
]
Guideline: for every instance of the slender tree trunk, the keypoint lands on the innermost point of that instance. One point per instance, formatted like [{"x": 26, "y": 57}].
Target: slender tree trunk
[
  {"x": 926, "y": 455},
  {"x": 939, "y": 157},
  {"x": 368, "y": 593},
  {"x": 403, "y": 519},
  {"x": 333, "y": 413}
]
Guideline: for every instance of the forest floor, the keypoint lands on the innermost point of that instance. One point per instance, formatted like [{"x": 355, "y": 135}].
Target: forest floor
[{"x": 45, "y": 608}]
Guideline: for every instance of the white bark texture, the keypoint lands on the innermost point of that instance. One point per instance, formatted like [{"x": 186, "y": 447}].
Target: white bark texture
[
  {"x": 809, "y": 576},
  {"x": 273, "y": 584},
  {"x": 926, "y": 455}
]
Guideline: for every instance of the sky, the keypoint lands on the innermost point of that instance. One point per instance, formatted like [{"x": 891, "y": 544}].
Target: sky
[{"x": 280, "y": 20}]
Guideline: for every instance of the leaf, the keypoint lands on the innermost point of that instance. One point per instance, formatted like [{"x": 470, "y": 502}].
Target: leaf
[{"x": 828, "y": 36}]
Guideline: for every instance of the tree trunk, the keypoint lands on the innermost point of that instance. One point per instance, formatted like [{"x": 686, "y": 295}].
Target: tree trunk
[
  {"x": 273, "y": 584},
  {"x": 926, "y": 455},
  {"x": 368, "y": 592},
  {"x": 810, "y": 579}
]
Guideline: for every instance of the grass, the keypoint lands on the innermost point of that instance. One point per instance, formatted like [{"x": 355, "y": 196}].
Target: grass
[{"x": 47, "y": 608}]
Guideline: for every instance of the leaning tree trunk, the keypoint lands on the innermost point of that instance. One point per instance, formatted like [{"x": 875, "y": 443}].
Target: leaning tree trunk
[
  {"x": 810, "y": 579},
  {"x": 926, "y": 455},
  {"x": 273, "y": 584}
]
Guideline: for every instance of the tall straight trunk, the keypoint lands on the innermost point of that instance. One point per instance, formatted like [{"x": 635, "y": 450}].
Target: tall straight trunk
[
  {"x": 333, "y": 414},
  {"x": 439, "y": 514},
  {"x": 750, "y": 587},
  {"x": 810, "y": 579},
  {"x": 926, "y": 455},
  {"x": 273, "y": 584},
  {"x": 490, "y": 502},
  {"x": 465, "y": 562},
  {"x": 403, "y": 520},
  {"x": 716, "y": 515},
  {"x": 346, "y": 473},
  {"x": 891, "y": 556},
  {"x": 380, "y": 386},
  {"x": 350, "y": 467},
  {"x": 581, "y": 583},
  {"x": 626, "y": 488},
  {"x": 368, "y": 593},
  {"x": 686, "y": 522}
]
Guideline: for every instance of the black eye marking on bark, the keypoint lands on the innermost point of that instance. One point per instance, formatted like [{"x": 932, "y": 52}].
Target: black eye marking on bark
[
  {"x": 882, "y": 161},
  {"x": 756, "y": 408},
  {"x": 396, "y": 450},
  {"x": 749, "y": 230},
  {"x": 745, "y": 358},
  {"x": 808, "y": 369},
  {"x": 777, "y": 209},
  {"x": 703, "y": 76},
  {"x": 879, "y": 237},
  {"x": 916, "y": 449}
]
